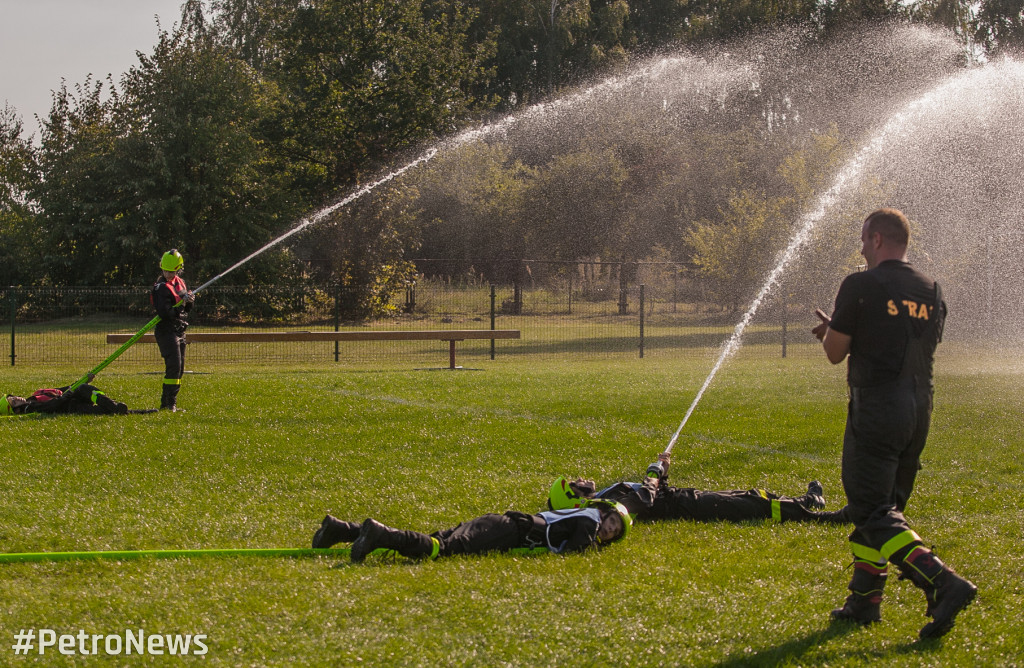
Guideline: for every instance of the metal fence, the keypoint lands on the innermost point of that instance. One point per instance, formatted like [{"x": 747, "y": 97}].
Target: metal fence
[{"x": 559, "y": 320}]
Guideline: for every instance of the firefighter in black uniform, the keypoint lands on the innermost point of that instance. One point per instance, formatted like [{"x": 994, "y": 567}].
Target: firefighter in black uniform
[
  {"x": 654, "y": 499},
  {"x": 888, "y": 320},
  {"x": 595, "y": 525},
  {"x": 172, "y": 301},
  {"x": 83, "y": 400}
]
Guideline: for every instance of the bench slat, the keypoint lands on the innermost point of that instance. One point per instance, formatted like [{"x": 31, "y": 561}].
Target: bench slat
[{"x": 395, "y": 335}]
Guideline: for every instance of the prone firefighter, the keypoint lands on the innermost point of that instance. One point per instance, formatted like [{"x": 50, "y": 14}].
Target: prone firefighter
[
  {"x": 595, "y": 524},
  {"x": 83, "y": 400},
  {"x": 654, "y": 499}
]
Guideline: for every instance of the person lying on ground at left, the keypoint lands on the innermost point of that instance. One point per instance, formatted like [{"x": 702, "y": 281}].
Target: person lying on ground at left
[
  {"x": 83, "y": 400},
  {"x": 655, "y": 499},
  {"x": 595, "y": 524}
]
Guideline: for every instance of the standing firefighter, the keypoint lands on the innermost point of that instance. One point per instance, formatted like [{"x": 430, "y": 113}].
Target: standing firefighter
[
  {"x": 172, "y": 301},
  {"x": 598, "y": 523},
  {"x": 888, "y": 320}
]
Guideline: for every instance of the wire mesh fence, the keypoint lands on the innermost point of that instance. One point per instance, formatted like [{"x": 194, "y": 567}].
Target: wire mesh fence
[{"x": 558, "y": 319}]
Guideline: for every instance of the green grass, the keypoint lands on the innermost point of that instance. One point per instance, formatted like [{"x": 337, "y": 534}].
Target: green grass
[{"x": 261, "y": 454}]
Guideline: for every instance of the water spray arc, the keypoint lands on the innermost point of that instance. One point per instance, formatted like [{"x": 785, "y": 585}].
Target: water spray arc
[
  {"x": 306, "y": 222},
  {"x": 848, "y": 176},
  {"x": 665, "y": 67}
]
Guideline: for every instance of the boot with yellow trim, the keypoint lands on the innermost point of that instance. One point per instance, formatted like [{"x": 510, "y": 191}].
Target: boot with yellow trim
[
  {"x": 412, "y": 544},
  {"x": 946, "y": 592},
  {"x": 863, "y": 605}
]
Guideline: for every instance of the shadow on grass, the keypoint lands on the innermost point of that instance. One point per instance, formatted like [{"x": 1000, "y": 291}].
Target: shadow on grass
[{"x": 810, "y": 649}]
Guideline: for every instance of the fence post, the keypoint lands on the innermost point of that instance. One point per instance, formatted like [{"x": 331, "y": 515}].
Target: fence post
[
  {"x": 783, "y": 296},
  {"x": 493, "y": 297},
  {"x": 642, "y": 321},
  {"x": 14, "y": 311},
  {"x": 623, "y": 286},
  {"x": 570, "y": 293},
  {"x": 675, "y": 288},
  {"x": 337, "y": 320}
]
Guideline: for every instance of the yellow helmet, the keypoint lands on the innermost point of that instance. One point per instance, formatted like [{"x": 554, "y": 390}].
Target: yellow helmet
[
  {"x": 5, "y": 406},
  {"x": 611, "y": 507},
  {"x": 172, "y": 260},
  {"x": 563, "y": 497}
]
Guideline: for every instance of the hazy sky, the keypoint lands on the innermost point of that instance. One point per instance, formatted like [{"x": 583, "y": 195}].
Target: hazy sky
[{"x": 44, "y": 41}]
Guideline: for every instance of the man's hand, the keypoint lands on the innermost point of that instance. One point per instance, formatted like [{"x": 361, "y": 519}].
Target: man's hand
[
  {"x": 585, "y": 488},
  {"x": 819, "y": 331}
]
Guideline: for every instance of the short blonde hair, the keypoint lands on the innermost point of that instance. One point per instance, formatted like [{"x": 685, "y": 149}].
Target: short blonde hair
[{"x": 891, "y": 224}]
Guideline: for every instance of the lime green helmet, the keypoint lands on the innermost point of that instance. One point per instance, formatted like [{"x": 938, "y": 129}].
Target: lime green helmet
[
  {"x": 172, "y": 260},
  {"x": 562, "y": 497},
  {"x": 627, "y": 519},
  {"x": 5, "y": 406}
]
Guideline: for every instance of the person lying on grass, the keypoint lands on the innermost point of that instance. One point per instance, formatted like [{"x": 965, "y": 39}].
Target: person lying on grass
[
  {"x": 83, "y": 400},
  {"x": 655, "y": 499},
  {"x": 594, "y": 524}
]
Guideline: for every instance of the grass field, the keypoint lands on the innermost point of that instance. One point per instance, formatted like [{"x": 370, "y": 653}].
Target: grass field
[{"x": 261, "y": 455}]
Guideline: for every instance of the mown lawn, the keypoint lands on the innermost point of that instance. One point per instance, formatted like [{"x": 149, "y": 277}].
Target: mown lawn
[{"x": 262, "y": 453}]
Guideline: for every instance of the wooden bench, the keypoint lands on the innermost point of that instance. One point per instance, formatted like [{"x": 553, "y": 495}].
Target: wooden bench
[{"x": 449, "y": 335}]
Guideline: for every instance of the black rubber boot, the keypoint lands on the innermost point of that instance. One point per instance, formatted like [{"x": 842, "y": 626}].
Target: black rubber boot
[
  {"x": 946, "y": 592},
  {"x": 375, "y": 535},
  {"x": 863, "y": 605},
  {"x": 814, "y": 499},
  {"x": 169, "y": 398},
  {"x": 952, "y": 594},
  {"x": 333, "y": 531}
]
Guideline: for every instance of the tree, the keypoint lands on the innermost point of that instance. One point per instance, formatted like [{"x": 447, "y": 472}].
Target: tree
[
  {"x": 738, "y": 251},
  {"x": 174, "y": 159},
  {"x": 361, "y": 251},
  {"x": 77, "y": 191},
  {"x": 195, "y": 160},
  {"x": 363, "y": 82},
  {"x": 1000, "y": 25},
  {"x": 20, "y": 250},
  {"x": 738, "y": 248},
  {"x": 575, "y": 206},
  {"x": 470, "y": 205}
]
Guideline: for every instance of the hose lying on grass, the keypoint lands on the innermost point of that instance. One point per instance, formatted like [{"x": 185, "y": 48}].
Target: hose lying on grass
[{"x": 343, "y": 552}]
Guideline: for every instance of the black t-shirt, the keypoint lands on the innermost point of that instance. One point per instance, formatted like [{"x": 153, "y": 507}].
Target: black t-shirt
[{"x": 871, "y": 307}]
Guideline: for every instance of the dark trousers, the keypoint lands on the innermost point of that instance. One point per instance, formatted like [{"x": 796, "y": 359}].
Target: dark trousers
[
  {"x": 172, "y": 349},
  {"x": 677, "y": 503},
  {"x": 487, "y": 533},
  {"x": 85, "y": 400},
  {"x": 886, "y": 430}
]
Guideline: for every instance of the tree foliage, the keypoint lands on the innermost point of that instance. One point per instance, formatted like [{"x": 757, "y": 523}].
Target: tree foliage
[
  {"x": 20, "y": 245},
  {"x": 250, "y": 114}
]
